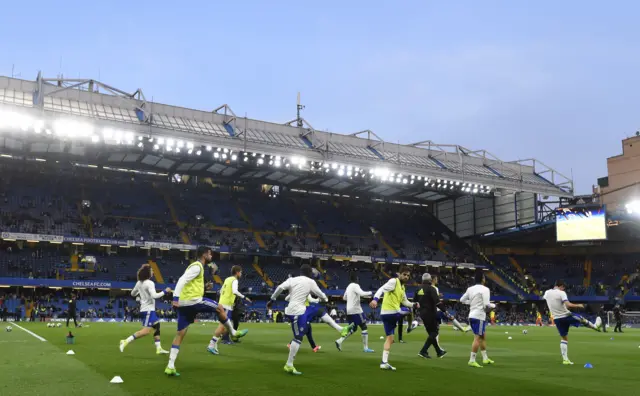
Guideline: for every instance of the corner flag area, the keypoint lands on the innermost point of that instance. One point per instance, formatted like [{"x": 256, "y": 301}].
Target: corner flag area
[{"x": 525, "y": 365}]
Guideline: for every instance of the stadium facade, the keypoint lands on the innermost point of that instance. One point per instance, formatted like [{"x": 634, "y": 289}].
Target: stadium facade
[{"x": 621, "y": 186}]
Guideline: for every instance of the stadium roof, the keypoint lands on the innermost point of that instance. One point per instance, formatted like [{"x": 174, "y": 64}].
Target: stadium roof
[{"x": 74, "y": 111}]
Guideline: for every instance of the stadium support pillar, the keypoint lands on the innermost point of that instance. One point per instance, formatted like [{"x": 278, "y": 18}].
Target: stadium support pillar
[
  {"x": 318, "y": 264},
  {"x": 588, "y": 265},
  {"x": 174, "y": 217},
  {"x": 86, "y": 220},
  {"x": 380, "y": 267},
  {"x": 516, "y": 265},
  {"x": 74, "y": 263},
  {"x": 262, "y": 274},
  {"x": 312, "y": 227},
  {"x": 244, "y": 216},
  {"x": 455, "y": 217},
  {"x": 259, "y": 239},
  {"x": 156, "y": 271},
  {"x": 473, "y": 206},
  {"x": 442, "y": 246},
  {"x": 386, "y": 245},
  {"x": 494, "y": 277}
]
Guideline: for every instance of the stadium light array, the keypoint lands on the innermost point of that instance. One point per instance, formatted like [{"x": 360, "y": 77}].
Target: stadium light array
[
  {"x": 633, "y": 207},
  {"x": 67, "y": 128}
]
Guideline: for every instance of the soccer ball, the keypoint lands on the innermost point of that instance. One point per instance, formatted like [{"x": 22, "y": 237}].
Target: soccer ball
[
  {"x": 59, "y": 325},
  {"x": 49, "y": 324},
  {"x": 524, "y": 331},
  {"x": 9, "y": 328}
]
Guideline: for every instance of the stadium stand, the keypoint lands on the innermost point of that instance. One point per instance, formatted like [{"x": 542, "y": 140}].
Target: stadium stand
[{"x": 114, "y": 177}]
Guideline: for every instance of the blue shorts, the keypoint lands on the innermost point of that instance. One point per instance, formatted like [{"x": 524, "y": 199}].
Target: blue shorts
[
  {"x": 563, "y": 324},
  {"x": 313, "y": 311},
  {"x": 390, "y": 322},
  {"x": 299, "y": 325},
  {"x": 478, "y": 326},
  {"x": 442, "y": 317},
  {"x": 149, "y": 318},
  {"x": 358, "y": 320},
  {"x": 187, "y": 315}
]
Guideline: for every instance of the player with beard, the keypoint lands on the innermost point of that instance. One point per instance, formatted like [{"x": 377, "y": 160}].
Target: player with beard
[{"x": 189, "y": 300}]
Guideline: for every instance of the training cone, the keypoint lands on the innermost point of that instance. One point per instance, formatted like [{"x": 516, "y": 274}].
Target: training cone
[
  {"x": 116, "y": 380},
  {"x": 588, "y": 365},
  {"x": 71, "y": 352}
]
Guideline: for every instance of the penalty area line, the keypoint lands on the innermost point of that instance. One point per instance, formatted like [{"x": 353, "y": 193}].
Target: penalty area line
[{"x": 29, "y": 332}]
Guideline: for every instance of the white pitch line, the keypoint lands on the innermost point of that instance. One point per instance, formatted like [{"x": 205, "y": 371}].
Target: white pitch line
[{"x": 29, "y": 332}]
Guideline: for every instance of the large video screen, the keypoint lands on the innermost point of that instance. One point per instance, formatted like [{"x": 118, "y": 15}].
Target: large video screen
[{"x": 581, "y": 224}]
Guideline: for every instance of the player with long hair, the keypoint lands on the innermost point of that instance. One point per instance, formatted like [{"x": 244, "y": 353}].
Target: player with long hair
[{"x": 146, "y": 289}]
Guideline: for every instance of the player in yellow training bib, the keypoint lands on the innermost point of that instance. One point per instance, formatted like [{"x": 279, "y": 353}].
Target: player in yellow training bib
[
  {"x": 391, "y": 312},
  {"x": 228, "y": 296},
  {"x": 189, "y": 300}
]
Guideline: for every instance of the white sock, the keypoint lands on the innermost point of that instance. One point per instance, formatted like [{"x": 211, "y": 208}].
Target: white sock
[
  {"x": 213, "y": 342},
  {"x": 130, "y": 338},
  {"x": 385, "y": 356},
  {"x": 293, "y": 350},
  {"x": 328, "y": 320},
  {"x": 158, "y": 346},
  {"x": 173, "y": 355},
  {"x": 564, "y": 349},
  {"x": 457, "y": 325},
  {"x": 229, "y": 326},
  {"x": 473, "y": 357},
  {"x": 484, "y": 355},
  {"x": 365, "y": 339}
]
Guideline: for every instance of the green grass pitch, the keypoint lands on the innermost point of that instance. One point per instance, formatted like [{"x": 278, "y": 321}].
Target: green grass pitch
[{"x": 526, "y": 365}]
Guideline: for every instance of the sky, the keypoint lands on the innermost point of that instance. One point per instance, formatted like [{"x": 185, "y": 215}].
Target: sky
[{"x": 551, "y": 80}]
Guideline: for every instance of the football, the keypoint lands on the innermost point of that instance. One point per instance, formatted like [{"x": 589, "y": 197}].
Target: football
[
  {"x": 9, "y": 328},
  {"x": 49, "y": 324},
  {"x": 59, "y": 325},
  {"x": 524, "y": 331}
]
